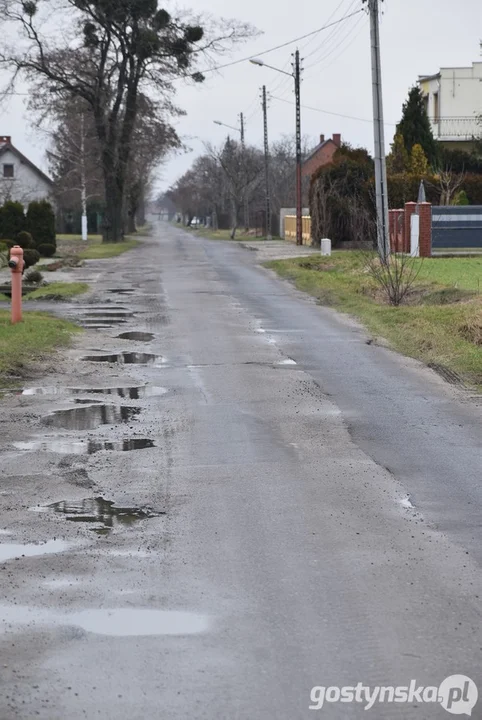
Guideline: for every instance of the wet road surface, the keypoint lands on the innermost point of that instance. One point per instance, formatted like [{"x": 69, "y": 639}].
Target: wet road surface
[{"x": 276, "y": 504}]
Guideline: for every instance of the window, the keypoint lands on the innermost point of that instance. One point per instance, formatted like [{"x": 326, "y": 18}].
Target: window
[{"x": 8, "y": 171}]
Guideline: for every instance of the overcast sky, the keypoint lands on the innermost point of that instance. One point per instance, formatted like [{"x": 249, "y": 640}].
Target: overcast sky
[{"x": 417, "y": 37}]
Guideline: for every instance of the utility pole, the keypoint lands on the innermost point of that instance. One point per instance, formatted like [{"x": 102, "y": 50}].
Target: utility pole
[
  {"x": 243, "y": 149},
  {"x": 83, "y": 182},
  {"x": 299, "y": 210},
  {"x": 266, "y": 166},
  {"x": 380, "y": 163}
]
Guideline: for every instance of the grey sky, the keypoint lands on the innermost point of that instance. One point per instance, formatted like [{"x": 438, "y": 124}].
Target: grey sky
[{"x": 418, "y": 36}]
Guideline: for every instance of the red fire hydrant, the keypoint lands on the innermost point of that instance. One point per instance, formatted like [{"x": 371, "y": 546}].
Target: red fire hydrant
[{"x": 16, "y": 265}]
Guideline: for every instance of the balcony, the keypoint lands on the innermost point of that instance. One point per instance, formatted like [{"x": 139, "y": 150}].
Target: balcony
[{"x": 456, "y": 129}]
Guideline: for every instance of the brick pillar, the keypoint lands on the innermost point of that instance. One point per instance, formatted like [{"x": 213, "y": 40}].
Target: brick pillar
[
  {"x": 410, "y": 209},
  {"x": 425, "y": 242},
  {"x": 392, "y": 216}
]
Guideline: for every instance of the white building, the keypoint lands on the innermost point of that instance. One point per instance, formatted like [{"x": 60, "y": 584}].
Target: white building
[
  {"x": 453, "y": 99},
  {"x": 20, "y": 179}
]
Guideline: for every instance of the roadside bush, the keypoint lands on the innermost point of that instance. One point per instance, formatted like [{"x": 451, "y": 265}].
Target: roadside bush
[
  {"x": 31, "y": 257},
  {"x": 12, "y": 219},
  {"x": 41, "y": 222},
  {"x": 25, "y": 240},
  {"x": 47, "y": 250},
  {"x": 33, "y": 276}
]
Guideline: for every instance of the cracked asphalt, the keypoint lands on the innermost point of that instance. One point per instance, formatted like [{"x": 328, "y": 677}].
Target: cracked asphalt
[{"x": 207, "y": 521}]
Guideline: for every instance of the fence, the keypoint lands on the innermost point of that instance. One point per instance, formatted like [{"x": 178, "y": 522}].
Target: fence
[
  {"x": 457, "y": 226},
  {"x": 290, "y": 228}
]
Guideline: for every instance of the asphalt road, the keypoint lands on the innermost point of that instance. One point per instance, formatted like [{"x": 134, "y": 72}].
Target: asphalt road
[{"x": 308, "y": 513}]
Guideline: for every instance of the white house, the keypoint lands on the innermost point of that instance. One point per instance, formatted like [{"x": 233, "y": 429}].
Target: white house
[
  {"x": 20, "y": 179},
  {"x": 453, "y": 98}
]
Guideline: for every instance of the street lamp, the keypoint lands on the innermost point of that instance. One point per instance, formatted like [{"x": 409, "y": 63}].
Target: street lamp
[{"x": 296, "y": 76}]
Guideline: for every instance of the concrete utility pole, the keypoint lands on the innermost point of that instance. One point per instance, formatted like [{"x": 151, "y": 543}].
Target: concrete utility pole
[
  {"x": 299, "y": 220},
  {"x": 243, "y": 148},
  {"x": 380, "y": 163},
  {"x": 266, "y": 165}
]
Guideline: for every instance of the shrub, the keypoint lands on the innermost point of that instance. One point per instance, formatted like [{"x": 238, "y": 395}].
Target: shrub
[
  {"x": 41, "y": 222},
  {"x": 33, "y": 276},
  {"x": 12, "y": 219},
  {"x": 47, "y": 250},
  {"x": 31, "y": 257},
  {"x": 25, "y": 240}
]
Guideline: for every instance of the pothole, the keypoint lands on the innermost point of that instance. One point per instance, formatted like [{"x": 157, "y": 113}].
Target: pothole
[
  {"x": 127, "y": 358},
  {"x": 102, "y": 323},
  {"x": 137, "y": 336},
  {"x": 108, "y": 314},
  {"x": 11, "y": 551},
  {"x": 117, "y": 622},
  {"x": 121, "y": 291},
  {"x": 91, "y": 416},
  {"x": 83, "y": 447},
  {"x": 133, "y": 393},
  {"x": 105, "y": 514}
]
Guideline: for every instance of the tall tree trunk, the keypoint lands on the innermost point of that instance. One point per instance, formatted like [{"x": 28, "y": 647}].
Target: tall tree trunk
[{"x": 113, "y": 230}]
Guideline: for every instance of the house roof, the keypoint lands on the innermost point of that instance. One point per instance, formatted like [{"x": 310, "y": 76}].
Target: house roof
[
  {"x": 318, "y": 148},
  {"x": 7, "y": 145}
]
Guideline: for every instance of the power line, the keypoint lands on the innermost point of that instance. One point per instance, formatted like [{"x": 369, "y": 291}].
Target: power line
[
  {"x": 277, "y": 47},
  {"x": 326, "y": 52},
  {"x": 329, "y": 112},
  {"x": 331, "y": 36}
]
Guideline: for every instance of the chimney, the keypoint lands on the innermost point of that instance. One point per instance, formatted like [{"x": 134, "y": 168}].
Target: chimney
[
  {"x": 337, "y": 139},
  {"x": 322, "y": 139},
  {"x": 5, "y": 139}
]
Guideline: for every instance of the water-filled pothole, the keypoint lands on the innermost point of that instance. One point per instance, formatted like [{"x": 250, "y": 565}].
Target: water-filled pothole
[
  {"x": 102, "y": 323},
  {"x": 84, "y": 447},
  {"x": 10, "y": 551},
  {"x": 137, "y": 336},
  {"x": 116, "y": 622},
  {"x": 91, "y": 416},
  {"x": 133, "y": 393},
  {"x": 104, "y": 513},
  {"x": 127, "y": 358}
]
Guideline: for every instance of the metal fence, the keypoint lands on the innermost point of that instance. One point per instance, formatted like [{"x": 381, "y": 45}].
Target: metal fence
[{"x": 457, "y": 226}]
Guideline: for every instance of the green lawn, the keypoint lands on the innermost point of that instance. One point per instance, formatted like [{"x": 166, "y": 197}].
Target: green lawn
[
  {"x": 441, "y": 322},
  {"x": 23, "y": 344},
  {"x": 94, "y": 248},
  {"x": 57, "y": 291}
]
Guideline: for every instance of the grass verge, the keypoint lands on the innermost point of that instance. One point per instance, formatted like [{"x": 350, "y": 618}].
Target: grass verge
[
  {"x": 441, "y": 322},
  {"x": 57, "y": 291},
  {"x": 93, "y": 249},
  {"x": 25, "y": 343}
]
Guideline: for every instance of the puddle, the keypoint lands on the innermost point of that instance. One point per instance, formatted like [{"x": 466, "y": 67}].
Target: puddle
[
  {"x": 116, "y": 622},
  {"x": 91, "y": 416},
  {"x": 103, "y": 323},
  {"x": 9, "y": 552},
  {"x": 103, "y": 512},
  {"x": 407, "y": 503},
  {"x": 107, "y": 314},
  {"x": 81, "y": 447},
  {"x": 288, "y": 361},
  {"x": 137, "y": 336},
  {"x": 121, "y": 291},
  {"x": 133, "y": 393},
  {"x": 127, "y": 358}
]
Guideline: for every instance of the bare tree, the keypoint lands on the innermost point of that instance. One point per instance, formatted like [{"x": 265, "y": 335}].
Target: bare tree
[{"x": 108, "y": 53}]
